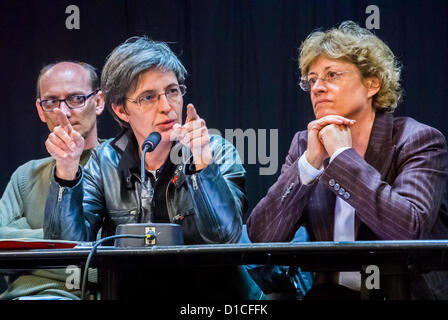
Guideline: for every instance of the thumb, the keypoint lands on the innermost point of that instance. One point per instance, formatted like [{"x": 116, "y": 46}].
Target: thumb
[{"x": 77, "y": 139}]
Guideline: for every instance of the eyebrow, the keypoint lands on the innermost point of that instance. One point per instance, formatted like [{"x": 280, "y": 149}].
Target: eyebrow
[
  {"x": 145, "y": 92},
  {"x": 326, "y": 68},
  {"x": 52, "y": 96},
  {"x": 154, "y": 91}
]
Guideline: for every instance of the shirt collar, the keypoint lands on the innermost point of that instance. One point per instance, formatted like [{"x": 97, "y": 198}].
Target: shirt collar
[{"x": 126, "y": 144}]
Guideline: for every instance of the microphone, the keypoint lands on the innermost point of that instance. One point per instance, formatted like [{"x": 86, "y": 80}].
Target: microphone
[
  {"x": 151, "y": 141},
  {"x": 147, "y": 192},
  {"x": 161, "y": 233}
]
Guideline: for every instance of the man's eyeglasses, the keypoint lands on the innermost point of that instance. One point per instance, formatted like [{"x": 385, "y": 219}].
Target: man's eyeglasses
[
  {"x": 74, "y": 101},
  {"x": 330, "y": 77},
  {"x": 173, "y": 93}
]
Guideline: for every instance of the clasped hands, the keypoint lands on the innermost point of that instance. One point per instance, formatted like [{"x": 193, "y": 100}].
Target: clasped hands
[{"x": 325, "y": 136}]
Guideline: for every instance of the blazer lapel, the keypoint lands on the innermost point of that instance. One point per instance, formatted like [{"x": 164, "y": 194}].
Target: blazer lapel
[{"x": 380, "y": 150}]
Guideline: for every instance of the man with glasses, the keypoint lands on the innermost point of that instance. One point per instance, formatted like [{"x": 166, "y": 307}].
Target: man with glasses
[
  {"x": 197, "y": 179},
  {"x": 66, "y": 91}
]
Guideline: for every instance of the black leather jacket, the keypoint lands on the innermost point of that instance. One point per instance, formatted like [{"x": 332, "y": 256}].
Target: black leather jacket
[{"x": 209, "y": 203}]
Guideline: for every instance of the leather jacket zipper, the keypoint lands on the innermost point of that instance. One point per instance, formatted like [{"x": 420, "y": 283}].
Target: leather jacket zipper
[
  {"x": 194, "y": 179},
  {"x": 61, "y": 191},
  {"x": 168, "y": 206},
  {"x": 51, "y": 224},
  {"x": 195, "y": 182},
  {"x": 139, "y": 201}
]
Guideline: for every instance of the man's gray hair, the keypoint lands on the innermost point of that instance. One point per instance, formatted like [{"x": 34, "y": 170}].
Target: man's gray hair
[{"x": 128, "y": 61}]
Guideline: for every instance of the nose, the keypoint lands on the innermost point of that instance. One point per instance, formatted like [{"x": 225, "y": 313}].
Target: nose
[
  {"x": 164, "y": 105},
  {"x": 65, "y": 109},
  {"x": 318, "y": 86}
]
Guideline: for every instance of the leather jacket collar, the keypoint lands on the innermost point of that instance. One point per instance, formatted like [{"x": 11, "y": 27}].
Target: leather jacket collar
[{"x": 129, "y": 164}]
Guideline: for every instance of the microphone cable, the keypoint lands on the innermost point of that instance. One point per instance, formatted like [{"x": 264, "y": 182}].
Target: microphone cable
[{"x": 150, "y": 235}]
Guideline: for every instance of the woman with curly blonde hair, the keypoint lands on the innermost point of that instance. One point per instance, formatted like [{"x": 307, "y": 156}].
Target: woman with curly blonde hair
[{"x": 357, "y": 172}]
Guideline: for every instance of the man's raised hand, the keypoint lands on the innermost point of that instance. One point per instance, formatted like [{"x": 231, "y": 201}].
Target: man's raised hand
[{"x": 65, "y": 145}]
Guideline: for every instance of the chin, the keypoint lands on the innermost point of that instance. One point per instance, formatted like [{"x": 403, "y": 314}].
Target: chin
[{"x": 323, "y": 113}]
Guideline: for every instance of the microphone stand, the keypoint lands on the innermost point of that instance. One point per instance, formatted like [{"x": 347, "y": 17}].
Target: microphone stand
[
  {"x": 156, "y": 233},
  {"x": 147, "y": 192}
]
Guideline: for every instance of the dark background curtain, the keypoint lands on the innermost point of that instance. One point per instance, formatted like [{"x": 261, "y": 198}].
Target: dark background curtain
[{"x": 241, "y": 56}]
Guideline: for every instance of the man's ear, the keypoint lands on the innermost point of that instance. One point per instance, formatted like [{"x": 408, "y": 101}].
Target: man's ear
[
  {"x": 120, "y": 111},
  {"x": 40, "y": 112},
  {"x": 373, "y": 86},
  {"x": 99, "y": 103}
]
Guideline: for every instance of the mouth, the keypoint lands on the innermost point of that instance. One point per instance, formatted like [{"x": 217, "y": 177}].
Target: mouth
[
  {"x": 321, "y": 101},
  {"x": 166, "y": 125}
]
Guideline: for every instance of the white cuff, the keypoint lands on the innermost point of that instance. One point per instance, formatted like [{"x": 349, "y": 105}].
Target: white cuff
[
  {"x": 337, "y": 152},
  {"x": 307, "y": 172}
]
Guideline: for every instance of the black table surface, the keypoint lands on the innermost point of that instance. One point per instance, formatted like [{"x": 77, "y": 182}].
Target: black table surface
[{"x": 420, "y": 256}]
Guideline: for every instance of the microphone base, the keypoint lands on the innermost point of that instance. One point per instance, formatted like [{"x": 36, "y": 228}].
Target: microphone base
[{"x": 166, "y": 234}]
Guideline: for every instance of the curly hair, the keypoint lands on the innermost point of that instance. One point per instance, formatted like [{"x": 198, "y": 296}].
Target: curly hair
[{"x": 357, "y": 45}]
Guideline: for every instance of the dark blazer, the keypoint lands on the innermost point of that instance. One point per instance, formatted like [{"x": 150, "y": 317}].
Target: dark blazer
[{"x": 397, "y": 191}]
